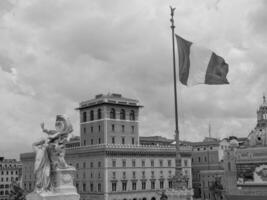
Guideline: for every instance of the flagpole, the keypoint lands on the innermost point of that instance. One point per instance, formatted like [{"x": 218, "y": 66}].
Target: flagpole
[{"x": 177, "y": 178}]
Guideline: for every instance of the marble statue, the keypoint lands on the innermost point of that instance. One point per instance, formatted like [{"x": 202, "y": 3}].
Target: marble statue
[{"x": 54, "y": 177}]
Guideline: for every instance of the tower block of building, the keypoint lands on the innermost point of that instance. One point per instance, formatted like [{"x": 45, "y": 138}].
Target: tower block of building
[
  {"x": 109, "y": 119},
  {"x": 110, "y": 163}
]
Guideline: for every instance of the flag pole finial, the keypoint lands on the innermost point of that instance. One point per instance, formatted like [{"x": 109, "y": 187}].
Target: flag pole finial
[{"x": 172, "y": 14}]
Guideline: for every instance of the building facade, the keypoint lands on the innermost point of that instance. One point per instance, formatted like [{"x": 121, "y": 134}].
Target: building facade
[
  {"x": 208, "y": 179},
  {"x": 206, "y": 155},
  {"x": 10, "y": 170},
  {"x": 245, "y": 166},
  {"x": 110, "y": 163}
]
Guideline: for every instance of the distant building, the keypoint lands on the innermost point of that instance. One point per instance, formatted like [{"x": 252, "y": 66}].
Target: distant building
[
  {"x": 207, "y": 179},
  {"x": 10, "y": 170},
  {"x": 155, "y": 140},
  {"x": 74, "y": 142},
  {"x": 245, "y": 166},
  {"x": 110, "y": 162},
  {"x": 206, "y": 155}
]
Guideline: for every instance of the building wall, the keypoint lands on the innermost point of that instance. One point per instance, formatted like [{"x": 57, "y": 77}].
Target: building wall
[
  {"x": 10, "y": 170},
  {"x": 207, "y": 179},
  {"x": 95, "y": 165},
  {"x": 204, "y": 157}
]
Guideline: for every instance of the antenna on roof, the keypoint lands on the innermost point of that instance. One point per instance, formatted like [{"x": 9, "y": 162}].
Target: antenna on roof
[{"x": 209, "y": 130}]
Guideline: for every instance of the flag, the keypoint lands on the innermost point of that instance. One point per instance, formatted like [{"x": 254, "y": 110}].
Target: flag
[{"x": 198, "y": 65}]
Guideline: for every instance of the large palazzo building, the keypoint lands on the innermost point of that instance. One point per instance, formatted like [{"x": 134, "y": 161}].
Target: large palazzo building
[{"x": 110, "y": 162}]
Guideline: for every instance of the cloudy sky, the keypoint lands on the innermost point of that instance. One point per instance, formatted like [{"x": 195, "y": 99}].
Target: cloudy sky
[{"x": 56, "y": 53}]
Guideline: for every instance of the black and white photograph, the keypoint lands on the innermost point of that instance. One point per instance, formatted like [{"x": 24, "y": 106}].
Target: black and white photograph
[{"x": 133, "y": 100}]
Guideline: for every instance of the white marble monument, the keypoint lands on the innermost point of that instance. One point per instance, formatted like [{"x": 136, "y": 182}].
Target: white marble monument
[{"x": 54, "y": 177}]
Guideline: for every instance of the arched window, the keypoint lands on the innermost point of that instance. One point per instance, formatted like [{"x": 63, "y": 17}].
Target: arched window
[
  {"x": 91, "y": 115},
  {"x": 112, "y": 113},
  {"x": 99, "y": 114},
  {"x": 132, "y": 115},
  {"x": 84, "y": 117},
  {"x": 122, "y": 114}
]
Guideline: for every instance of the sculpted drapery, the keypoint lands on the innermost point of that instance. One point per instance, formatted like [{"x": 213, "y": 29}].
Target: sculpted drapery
[{"x": 50, "y": 153}]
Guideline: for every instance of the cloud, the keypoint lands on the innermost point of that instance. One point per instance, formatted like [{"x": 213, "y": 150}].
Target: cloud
[{"x": 56, "y": 53}]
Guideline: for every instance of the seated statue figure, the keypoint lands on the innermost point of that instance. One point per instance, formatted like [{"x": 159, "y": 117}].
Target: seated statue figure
[{"x": 50, "y": 153}]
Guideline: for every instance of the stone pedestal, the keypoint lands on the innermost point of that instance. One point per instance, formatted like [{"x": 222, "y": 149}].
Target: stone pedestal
[
  {"x": 63, "y": 188},
  {"x": 181, "y": 194}
]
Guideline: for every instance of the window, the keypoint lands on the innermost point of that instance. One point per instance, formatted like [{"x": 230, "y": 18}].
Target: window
[
  {"x": 84, "y": 130},
  {"x": 152, "y": 163},
  {"x": 205, "y": 158},
  {"x": 143, "y": 174},
  {"x": 170, "y": 184},
  {"x": 99, "y": 187},
  {"x": 132, "y": 115},
  {"x": 161, "y": 163},
  {"x": 99, "y": 164},
  {"x": 122, "y": 128},
  {"x": 114, "y": 187},
  {"x": 170, "y": 173},
  {"x": 113, "y": 163},
  {"x": 152, "y": 174},
  {"x": 91, "y": 164},
  {"x": 92, "y": 129},
  {"x": 169, "y": 163},
  {"x": 99, "y": 114},
  {"x": 132, "y": 127},
  {"x": 84, "y": 117},
  {"x": 185, "y": 163},
  {"x": 122, "y": 114},
  {"x": 123, "y": 140},
  {"x": 113, "y": 140},
  {"x": 112, "y": 114},
  {"x": 113, "y": 127},
  {"x": 143, "y": 163},
  {"x": 124, "y": 186},
  {"x": 198, "y": 159},
  {"x": 77, "y": 165},
  {"x": 77, "y": 186},
  {"x": 84, "y": 142},
  {"x": 114, "y": 175},
  {"x": 91, "y": 115},
  {"x": 143, "y": 185},
  {"x": 92, "y": 141},
  {"x": 132, "y": 140},
  {"x": 84, "y": 187},
  {"x": 161, "y": 184},
  {"x": 133, "y": 163},
  {"x": 99, "y": 140},
  {"x": 152, "y": 185},
  {"x": 84, "y": 165},
  {"x": 134, "y": 175},
  {"x": 99, "y": 128},
  {"x": 91, "y": 187},
  {"x": 133, "y": 185},
  {"x": 123, "y": 163}
]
